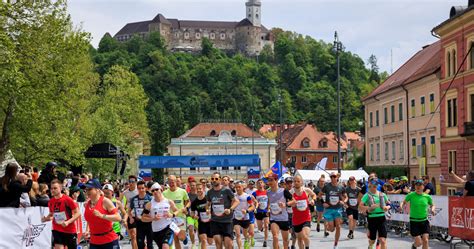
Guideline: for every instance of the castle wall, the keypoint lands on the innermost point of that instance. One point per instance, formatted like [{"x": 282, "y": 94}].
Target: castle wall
[
  {"x": 191, "y": 38},
  {"x": 249, "y": 40}
]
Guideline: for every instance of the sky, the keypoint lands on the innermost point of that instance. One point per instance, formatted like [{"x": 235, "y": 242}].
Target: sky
[{"x": 392, "y": 30}]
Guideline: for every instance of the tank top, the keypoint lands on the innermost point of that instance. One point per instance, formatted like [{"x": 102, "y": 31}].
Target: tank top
[
  {"x": 100, "y": 229},
  {"x": 160, "y": 208},
  {"x": 262, "y": 199},
  {"x": 243, "y": 204},
  {"x": 301, "y": 212},
  {"x": 276, "y": 212}
]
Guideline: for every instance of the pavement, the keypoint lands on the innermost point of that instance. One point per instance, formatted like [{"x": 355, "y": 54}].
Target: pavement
[{"x": 318, "y": 241}]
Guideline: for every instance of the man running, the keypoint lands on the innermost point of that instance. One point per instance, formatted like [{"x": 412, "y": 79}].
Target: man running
[
  {"x": 198, "y": 207},
  {"x": 419, "y": 224},
  {"x": 190, "y": 220},
  {"x": 241, "y": 215},
  {"x": 160, "y": 211},
  {"x": 222, "y": 202},
  {"x": 64, "y": 212},
  {"x": 354, "y": 195},
  {"x": 320, "y": 203},
  {"x": 261, "y": 215},
  {"x": 279, "y": 199},
  {"x": 108, "y": 190},
  {"x": 181, "y": 200},
  {"x": 129, "y": 194},
  {"x": 301, "y": 212},
  {"x": 137, "y": 205},
  {"x": 289, "y": 187},
  {"x": 335, "y": 199},
  {"x": 250, "y": 189},
  {"x": 376, "y": 203}
]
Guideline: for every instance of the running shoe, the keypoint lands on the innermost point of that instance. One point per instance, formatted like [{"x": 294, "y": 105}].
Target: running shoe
[
  {"x": 252, "y": 241},
  {"x": 326, "y": 234},
  {"x": 317, "y": 228},
  {"x": 371, "y": 247},
  {"x": 264, "y": 244},
  {"x": 246, "y": 244},
  {"x": 185, "y": 241}
]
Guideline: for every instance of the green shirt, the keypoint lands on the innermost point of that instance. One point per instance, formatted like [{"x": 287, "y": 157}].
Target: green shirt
[
  {"x": 378, "y": 211},
  {"x": 178, "y": 197},
  {"x": 419, "y": 205}
]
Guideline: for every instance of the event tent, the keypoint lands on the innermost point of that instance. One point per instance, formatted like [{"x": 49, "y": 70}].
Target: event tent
[
  {"x": 8, "y": 159},
  {"x": 314, "y": 175}
]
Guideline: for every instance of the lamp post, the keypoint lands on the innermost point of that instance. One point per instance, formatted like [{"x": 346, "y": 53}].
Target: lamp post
[
  {"x": 253, "y": 130},
  {"x": 281, "y": 128},
  {"x": 338, "y": 48}
]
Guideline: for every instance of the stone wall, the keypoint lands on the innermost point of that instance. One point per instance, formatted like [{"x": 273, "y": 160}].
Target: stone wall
[{"x": 191, "y": 38}]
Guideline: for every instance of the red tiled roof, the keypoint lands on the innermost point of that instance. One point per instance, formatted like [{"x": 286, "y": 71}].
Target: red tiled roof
[
  {"x": 205, "y": 130},
  {"x": 425, "y": 62},
  {"x": 352, "y": 136},
  {"x": 294, "y": 135}
]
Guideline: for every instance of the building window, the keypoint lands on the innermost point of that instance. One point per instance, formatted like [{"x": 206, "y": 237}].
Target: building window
[
  {"x": 432, "y": 104},
  {"x": 422, "y": 102},
  {"x": 471, "y": 55},
  {"x": 392, "y": 113},
  {"x": 454, "y": 62},
  {"x": 222, "y": 36},
  {"x": 370, "y": 119},
  {"x": 386, "y": 151},
  {"x": 303, "y": 159},
  {"x": 237, "y": 168},
  {"x": 413, "y": 148},
  {"x": 334, "y": 159},
  {"x": 212, "y": 36},
  {"x": 452, "y": 113},
  {"x": 305, "y": 143},
  {"x": 402, "y": 150},
  {"x": 413, "y": 112},
  {"x": 471, "y": 98},
  {"x": 212, "y": 168},
  {"x": 293, "y": 159},
  {"x": 186, "y": 35},
  {"x": 451, "y": 191},
  {"x": 371, "y": 152},
  {"x": 198, "y": 35},
  {"x": 225, "y": 168},
  {"x": 448, "y": 64},
  {"x": 393, "y": 151},
  {"x": 192, "y": 169},
  {"x": 377, "y": 118},
  {"x": 378, "y": 152},
  {"x": 256, "y": 15},
  {"x": 432, "y": 146},
  {"x": 400, "y": 111},
  {"x": 385, "y": 115},
  {"x": 323, "y": 143},
  {"x": 423, "y": 147},
  {"x": 452, "y": 160}
]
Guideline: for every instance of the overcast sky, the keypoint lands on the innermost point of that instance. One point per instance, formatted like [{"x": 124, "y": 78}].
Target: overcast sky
[{"x": 365, "y": 26}]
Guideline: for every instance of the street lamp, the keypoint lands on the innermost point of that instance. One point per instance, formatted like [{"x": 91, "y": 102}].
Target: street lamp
[
  {"x": 281, "y": 127},
  {"x": 338, "y": 48}
]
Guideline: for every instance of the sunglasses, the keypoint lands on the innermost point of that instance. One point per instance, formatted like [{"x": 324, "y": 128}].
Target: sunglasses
[
  {"x": 214, "y": 179},
  {"x": 131, "y": 181},
  {"x": 271, "y": 179},
  {"x": 333, "y": 176},
  {"x": 154, "y": 190}
]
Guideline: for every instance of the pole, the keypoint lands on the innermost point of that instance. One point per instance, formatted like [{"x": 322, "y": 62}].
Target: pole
[
  {"x": 180, "y": 169},
  {"x": 338, "y": 47},
  {"x": 253, "y": 130},
  {"x": 281, "y": 128}
]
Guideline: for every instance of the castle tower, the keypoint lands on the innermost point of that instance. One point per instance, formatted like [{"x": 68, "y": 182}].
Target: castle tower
[{"x": 254, "y": 13}]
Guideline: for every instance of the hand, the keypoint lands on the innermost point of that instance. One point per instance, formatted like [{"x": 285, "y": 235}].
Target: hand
[
  {"x": 184, "y": 211},
  {"x": 325, "y": 205},
  {"x": 44, "y": 219},
  {"x": 244, "y": 211},
  {"x": 281, "y": 204},
  {"x": 155, "y": 218},
  {"x": 386, "y": 208},
  {"x": 400, "y": 209},
  {"x": 167, "y": 215},
  {"x": 208, "y": 211},
  {"x": 310, "y": 203},
  {"x": 97, "y": 213},
  {"x": 87, "y": 235},
  {"x": 227, "y": 211}
]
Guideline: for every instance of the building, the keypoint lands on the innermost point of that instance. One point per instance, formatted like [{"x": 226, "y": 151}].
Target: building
[
  {"x": 247, "y": 36},
  {"x": 222, "y": 139},
  {"x": 402, "y": 126},
  {"x": 457, "y": 85}
]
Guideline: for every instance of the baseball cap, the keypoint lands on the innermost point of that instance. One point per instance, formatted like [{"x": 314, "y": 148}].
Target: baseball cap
[
  {"x": 352, "y": 178},
  {"x": 396, "y": 179},
  {"x": 419, "y": 182},
  {"x": 92, "y": 183},
  {"x": 108, "y": 186},
  {"x": 191, "y": 179},
  {"x": 155, "y": 186},
  {"x": 403, "y": 178},
  {"x": 273, "y": 176},
  {"x": 251, "y": 182},
  {"x": 289, "y": 179}
]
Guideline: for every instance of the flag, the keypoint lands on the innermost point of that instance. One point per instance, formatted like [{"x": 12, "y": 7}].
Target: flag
[
  {"x": 321, "y": 165},
  {"x": 276, "y": 168}
]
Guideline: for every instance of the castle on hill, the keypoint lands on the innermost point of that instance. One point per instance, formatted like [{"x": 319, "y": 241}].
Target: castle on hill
[{"x": 247, "y": 36}]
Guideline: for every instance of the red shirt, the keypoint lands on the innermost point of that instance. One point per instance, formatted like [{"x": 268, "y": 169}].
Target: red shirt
[
  {"x": 100, "y": 229},
  {"x": 301, "y": 213},
  {"x": 62, "y": 211}
]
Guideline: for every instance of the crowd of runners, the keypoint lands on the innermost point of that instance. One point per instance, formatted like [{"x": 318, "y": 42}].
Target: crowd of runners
[{"x": 223, "y": 212}]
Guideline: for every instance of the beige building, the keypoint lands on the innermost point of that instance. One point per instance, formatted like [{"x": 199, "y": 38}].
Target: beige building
[
  {"x": 222, "y": 139},
  {"x": 402, "y": 122}
]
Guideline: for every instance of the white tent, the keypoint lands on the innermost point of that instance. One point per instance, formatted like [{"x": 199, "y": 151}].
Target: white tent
[
  {"x": 314, "y": 175},
  {"x": 8, "y": 159}
]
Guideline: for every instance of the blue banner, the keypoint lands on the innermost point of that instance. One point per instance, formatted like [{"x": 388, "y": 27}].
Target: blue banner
[{"x": 161, "y": 162}]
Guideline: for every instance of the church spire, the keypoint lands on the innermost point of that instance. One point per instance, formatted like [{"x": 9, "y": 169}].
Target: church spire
[{"x": 253, "y": 10}]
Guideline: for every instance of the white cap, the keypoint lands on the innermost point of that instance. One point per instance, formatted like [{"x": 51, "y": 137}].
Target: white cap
[
  {"x": 155, "y": 186},
  {"x": 108, "y": 186}
]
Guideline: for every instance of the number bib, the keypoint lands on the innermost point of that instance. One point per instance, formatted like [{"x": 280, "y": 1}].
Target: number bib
[
  {"x": 204, "y": 216},
  {"x": 262, "y": 202},
  {"x": 275, "y": 208},
  {"x": 139, "y": 212},
  {"x": 161, "y": 211},
  {"x": 218, "y": 209},
  {"x": 333, "y": 200},
  {"x": 238, "y": 215},
  {"x": 301, "y": 205},
  {"x": 289, "y": 210},
  {"x": 59, "y": 217},
  {"x": 352, "y": 202},
  {"x": 178, "y": 221},
  {"x": 175, "y": 228}
]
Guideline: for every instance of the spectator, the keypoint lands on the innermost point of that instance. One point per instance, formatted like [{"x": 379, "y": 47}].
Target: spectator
[
  {"x": 35, "y": 174},
  {"x": 75, "y": 184},
  {"x": 11, "y": 188},
  {"x": 429, "y": 188},
  {"x": 42, "y": 199},
  {"x": 34, "y": 192},
  {"x": 48, "y": 174},
  {"x": 469, "y": 186},
  {"x": 24, "y": 197},
  {"x": 74, "y": 193}
]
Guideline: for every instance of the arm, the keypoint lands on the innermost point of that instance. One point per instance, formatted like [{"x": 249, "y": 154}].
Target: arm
[
  {"x": 235, "y": 203},
  {"x": 289, "y": 198},
  {"x": 147, "y": 217},
  {"x": 48, "y": 217},
  {"x": 311, "y": 195},
  {"x": 427, "y": 191},
  {"x": 75, "y": 215},
  {"x": 122, "y": 211},
  {"x": 109, "y": 206},
  {"x": 457, "y": 178}
]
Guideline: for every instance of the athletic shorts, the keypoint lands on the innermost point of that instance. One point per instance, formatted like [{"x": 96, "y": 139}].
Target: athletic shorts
[
  {"x": 164, "y": 236},
  {"x": 283, "y": 225},
  {"x": 311, "y": 208},
  {"x": 330, "y": 214},
  {"x": 353, "y": 212},
  {"x": 222, "y": 229},
  {"x": 299, "y": 228},
  {"x": 65, "y": 239},
  {"x": 131, "y": 225},
  {"x": 112, "y": 245},
  {"x": 260, "y": 215},
  {"x": 205, "y": 228},
  {"x": 242, "y": 223},
  {"x": 181, "y": 222},
  {"x": 418, "y": 228},
  {"x": 320, "y": 208},
  {"x": 377, "y": 225},
  {"x": 252, "y": 217},
  {"x": 192, "y": 222}
]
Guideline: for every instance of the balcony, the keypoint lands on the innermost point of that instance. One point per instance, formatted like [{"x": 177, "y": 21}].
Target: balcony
[{"x": 469, "y": 130}]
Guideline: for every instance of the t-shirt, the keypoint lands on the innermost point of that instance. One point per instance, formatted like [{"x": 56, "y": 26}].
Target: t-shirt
[
  {"x": 62, "y": 211},
  {"x": 333, "y": 195},
  {"x": 369, "y": 199},
  {"x": 220, "y": 200},
  {"x": 179, "y": 196},
  {"x": 431, "y": 188},
  {"x": 281, "y": 195},
  {"x": 199, "y": 206},
  {"x": 245, "y": 201},
  {"x": 419, "y": 205},
  {"x": 317, "y": 190},
  {"x": 469, "y": 187},
  {"x": 129, "y": 195},
  {"x": 137, "y": 205},
  {"x": 262, "y": 199},
  {"x": 353, "y": 197}
]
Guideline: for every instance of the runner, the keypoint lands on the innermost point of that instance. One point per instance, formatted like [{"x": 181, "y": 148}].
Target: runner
[
  {"x": 222, "y": 202},
  {"x": 354, "y": 195},
  {"x": 137, "y": 205},
  {"x": 289, "y": 187},
  {"x": 261, "y": 215},
  {"x": 181, "y": 200},
  {"x": 64, "y": 212},
  {"x": 128, "y": 194},
  {"x": 190, "y": 220},
  {"x": 226, "y": 181},
  {"x": 279, "y": 199},
  {"x": 419, "y": 224},
  {"x": 335, "y": 199},
  {"x": 376, "y": 208},
  {"x": 109, "y": 194},
  {"x": 249, "y": 190},
  {"x": 320, "y": 203},
  {"x": 99, "y": 214},
  {"x": 241, "y": 217},
  {"x": 158, "y": 212},
  {"x": 198, "y": 207},
  {"x": 301, "y": 213}
]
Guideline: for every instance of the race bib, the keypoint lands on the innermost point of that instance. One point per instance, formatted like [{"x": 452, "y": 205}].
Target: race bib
[
  {"x": 175, "y": 228},
  {"x": 204, "y": 216},
  {"x": 238, "y": 215},
  {"x": 161, "y": 211},
  {"x": 178, "y": 221},
  {"x": 59, "y": 217},
  {"x": 139, "y": 212},
  {"x": 333, "y": 200},
  {"x": 289, "y": 210},
  {"x": 301, "y": 205},
  {"x": 353, "y": 202},
  {"x": 262, "y": 202},
  {"x": 218, "y": 209},
  {"x": 275, "y": 208}
]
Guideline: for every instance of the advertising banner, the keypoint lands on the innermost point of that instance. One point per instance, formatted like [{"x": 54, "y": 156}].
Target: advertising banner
[
  {"x": 461, "y": 217},
  {"x": 161, "y": 162}
]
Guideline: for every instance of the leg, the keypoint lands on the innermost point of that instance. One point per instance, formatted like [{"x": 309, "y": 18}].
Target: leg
[
  {"x": 329, "y": 224},
  {"x": 203, "y": 240},
  {"x": 228, "y": 242},
  {"x": 177, "y": 242},
  {"x": 140, "y": 236},
  {"x": 58, "y": 246},
  {"x": 149, "y": 237},
  {"x": 418, "y": 241},
  {"x": 338, "y": 223},
  {"x": 299, "y": 236},
  {"x": 306, "y": 231},
  {"x": 132, "y": 233},
  {"x": 383, "y": 243},
  {"x": 191, "y": 233},
  {"x": 284, "y": 235},
  {"x": 237, "y": 236},
  {"x": 425, "y": 239},
  {"x": 351, "y": 222},
  {"x": 266, "y": 221},
  {"x": 218, "y": 240},
  {"x": 275, "y": 231}
]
